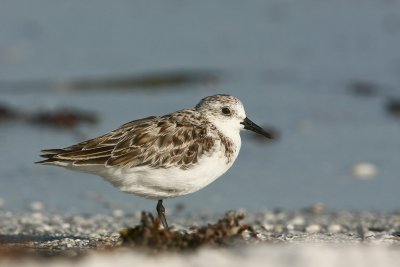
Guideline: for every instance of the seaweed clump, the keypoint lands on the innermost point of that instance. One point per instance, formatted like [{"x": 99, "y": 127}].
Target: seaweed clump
[
  {"x": 228, "y": 231},
  {"x": 63, "y": 118}
]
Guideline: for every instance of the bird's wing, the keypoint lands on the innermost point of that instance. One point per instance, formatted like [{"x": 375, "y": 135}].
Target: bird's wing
[{"x": 160, "y": 142}]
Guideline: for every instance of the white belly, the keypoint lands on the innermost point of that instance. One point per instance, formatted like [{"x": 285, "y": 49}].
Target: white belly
[{"x": 171, "y": 182}]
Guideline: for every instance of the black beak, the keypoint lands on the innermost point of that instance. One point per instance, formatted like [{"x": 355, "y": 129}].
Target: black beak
[{"x": 249, "y": 125}]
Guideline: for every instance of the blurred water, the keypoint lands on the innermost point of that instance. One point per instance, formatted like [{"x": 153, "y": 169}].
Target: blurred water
[{"x": 289, "y": 61}]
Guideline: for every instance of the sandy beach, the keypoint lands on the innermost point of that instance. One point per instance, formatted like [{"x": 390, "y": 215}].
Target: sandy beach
[{"x": 298, "y": 238}]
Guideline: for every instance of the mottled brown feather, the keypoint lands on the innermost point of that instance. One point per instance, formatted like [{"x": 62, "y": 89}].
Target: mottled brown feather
[{"x": 178, "y": 139}]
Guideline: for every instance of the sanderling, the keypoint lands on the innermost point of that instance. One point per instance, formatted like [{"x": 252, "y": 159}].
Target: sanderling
[{"x": 166, "y": 156}]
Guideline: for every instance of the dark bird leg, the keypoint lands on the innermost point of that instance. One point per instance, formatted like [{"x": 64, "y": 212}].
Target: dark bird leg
[{"x": 161, "y": 214}]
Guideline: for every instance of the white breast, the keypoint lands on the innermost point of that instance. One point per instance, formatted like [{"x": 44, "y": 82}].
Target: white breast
[{"x": 171, "y": 182}]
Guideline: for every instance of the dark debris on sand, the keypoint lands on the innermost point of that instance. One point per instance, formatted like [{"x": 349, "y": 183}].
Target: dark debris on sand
[
  {"x": 227, "y": 231},
  {"x": 61, "y": 118}
]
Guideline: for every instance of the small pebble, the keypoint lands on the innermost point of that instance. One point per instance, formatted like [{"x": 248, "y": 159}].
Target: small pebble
[
  {"x": 279, "y": 228},
  {"x": 36, "y": 206},
  {"x": 269, "y": 216},
  {"x": 334, "y": 228},
  {"x": 369, "y": 234},
  {"x": 47, "y": 228},
  {"x": 317, "y": 208},
  {"x": 313, "y": 228},
  {"x": 268, "y": 226},
  {"x": 65, "y": 225},
  {"x": 364, "y": 171},
  {"x": 38, "y": 216},
  {"x": 79, "y": 220},
  {"x": 298, "y": 220},
  {"x": 290, "y": 227},
  {"x": 246, "y": 234},
  {"x": 118, "y": 213}
]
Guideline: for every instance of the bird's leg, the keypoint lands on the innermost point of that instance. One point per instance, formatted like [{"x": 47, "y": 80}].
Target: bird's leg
[{"x": 161, "y": 214}]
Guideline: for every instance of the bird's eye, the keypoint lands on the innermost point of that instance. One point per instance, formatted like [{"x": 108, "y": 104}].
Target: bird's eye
[{"x": 226, "y": 111}]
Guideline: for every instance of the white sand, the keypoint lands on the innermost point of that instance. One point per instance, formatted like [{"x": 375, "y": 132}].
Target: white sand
[{"x": 263, "y": 255}]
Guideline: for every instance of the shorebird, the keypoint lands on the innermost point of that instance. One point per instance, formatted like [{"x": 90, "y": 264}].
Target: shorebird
[{"x": 161, "y": 157}]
